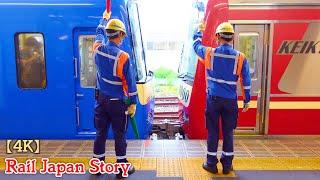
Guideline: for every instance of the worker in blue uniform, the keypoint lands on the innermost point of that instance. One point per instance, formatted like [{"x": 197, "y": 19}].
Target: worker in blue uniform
[
  {"x": 115, "y": 83},
  {"x": 224, "y": 66}
]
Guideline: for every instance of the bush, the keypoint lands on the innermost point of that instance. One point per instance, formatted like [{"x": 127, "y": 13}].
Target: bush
[
  {"x": 164, "y": 73},
  {"x": 166, "y": 81}
]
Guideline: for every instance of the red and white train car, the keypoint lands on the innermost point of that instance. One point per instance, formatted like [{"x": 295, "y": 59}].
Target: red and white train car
[{"x": 281, "y": 41}]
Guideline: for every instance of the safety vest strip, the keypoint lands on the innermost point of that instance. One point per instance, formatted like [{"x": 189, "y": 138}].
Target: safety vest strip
[
  {"x": 200, "y": 59},
  {"x": 223, "y": 55},
  {"x": 110, "y": 82},
  {"x": 106, "y": 55},
  {"x": 122, "y": 60},
  {"x": 212, "y": 58},
  {"x": 236, "y": 58},
  {"x": 236, "y": 63},
  {"x": 246, "y": 87},
  {"x": 207, "y": 57},
  {"x": 96, "y": 45},
  {"x": 116, "y": 63},
  {"x": 240, "y": 63},
  {"x": 222, "y": 81},
  {"x": 124, "y": 57}
]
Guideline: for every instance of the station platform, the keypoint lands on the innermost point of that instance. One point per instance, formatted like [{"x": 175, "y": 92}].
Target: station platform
[{"x": 255, "y": 158}]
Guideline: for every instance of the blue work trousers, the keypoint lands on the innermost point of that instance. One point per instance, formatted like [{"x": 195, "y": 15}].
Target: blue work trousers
[
  {"x": 227, "y": 109},
  {"x": 112, "y": 111}
]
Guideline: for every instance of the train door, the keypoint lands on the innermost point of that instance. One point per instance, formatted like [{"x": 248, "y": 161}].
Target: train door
[
  {"x": 252, "y": 40},
  {"x": 85, "y": 79}
]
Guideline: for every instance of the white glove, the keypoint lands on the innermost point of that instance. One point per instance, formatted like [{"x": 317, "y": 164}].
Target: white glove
[
  {"x": 245, "y": 107},
  {"x": 132, "y": 110},
  {"x": 202, "y": 26},
  {"x": 106, "y": 15}
]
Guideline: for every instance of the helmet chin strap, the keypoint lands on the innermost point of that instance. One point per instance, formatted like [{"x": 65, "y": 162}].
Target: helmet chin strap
[
  {"x": 121, "y": 40},
  {"x": 218, "y": 42}
]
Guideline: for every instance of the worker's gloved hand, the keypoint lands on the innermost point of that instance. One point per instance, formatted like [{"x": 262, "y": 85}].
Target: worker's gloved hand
[
  {"x": 106, "y": 15},
  {"x": 132, "y": 110},
  {"x": 245, "y": 107},
  {"x": 202, "y": 26}
]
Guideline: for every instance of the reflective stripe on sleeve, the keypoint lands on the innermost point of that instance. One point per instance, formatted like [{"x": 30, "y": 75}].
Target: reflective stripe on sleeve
[
  {"x": 134, "y": 93},
  {"x": 198, "y": 39},
  {"x": 246, "y": 87}
]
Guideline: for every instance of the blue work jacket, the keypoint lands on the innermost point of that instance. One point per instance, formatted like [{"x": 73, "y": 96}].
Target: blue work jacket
[
  {"x": 115, "y": 72},
  {"x": 224, "y": 66}
]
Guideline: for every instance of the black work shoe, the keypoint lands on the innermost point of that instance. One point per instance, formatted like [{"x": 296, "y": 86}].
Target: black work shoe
[
  {"x": 97, "y": 174},
  {"x": 211, "y": 168},
  {"x": 227, "y": 170},
  {"x": 130, "y": 171}
]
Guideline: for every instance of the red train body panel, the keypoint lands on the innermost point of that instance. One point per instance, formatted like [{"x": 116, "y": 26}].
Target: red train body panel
[{"x": 282, "y": 44}]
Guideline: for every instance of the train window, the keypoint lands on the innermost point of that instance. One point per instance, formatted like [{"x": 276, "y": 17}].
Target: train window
[
  {"x": 189, "y": 58},
  {"x": 248, "y": 44},
  {"x": 30, "y": 61},
  {"x": 138, "y": 50},
  {"x": 88, "y": 68}
]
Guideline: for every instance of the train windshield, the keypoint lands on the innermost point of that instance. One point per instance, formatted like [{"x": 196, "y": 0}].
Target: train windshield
[
  {"x": 189, "y": 58},
  {"x": 137, "y": 43}
]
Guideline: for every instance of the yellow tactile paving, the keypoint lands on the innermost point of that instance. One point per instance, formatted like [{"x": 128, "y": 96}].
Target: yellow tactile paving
[
  {"x": 148, "y": 163},
  {"x": 271, "y": 164},
  {"x": 314, "y": 163},
  {"x": 136, "y": 162},
  {"x": 168, "y": 167},
  {"x": 239, "y": 164},
  {"x": 192, "y": 168}
]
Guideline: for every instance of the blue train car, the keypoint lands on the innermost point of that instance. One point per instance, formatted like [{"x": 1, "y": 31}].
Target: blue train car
[{"x": 58, "y": 101}]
